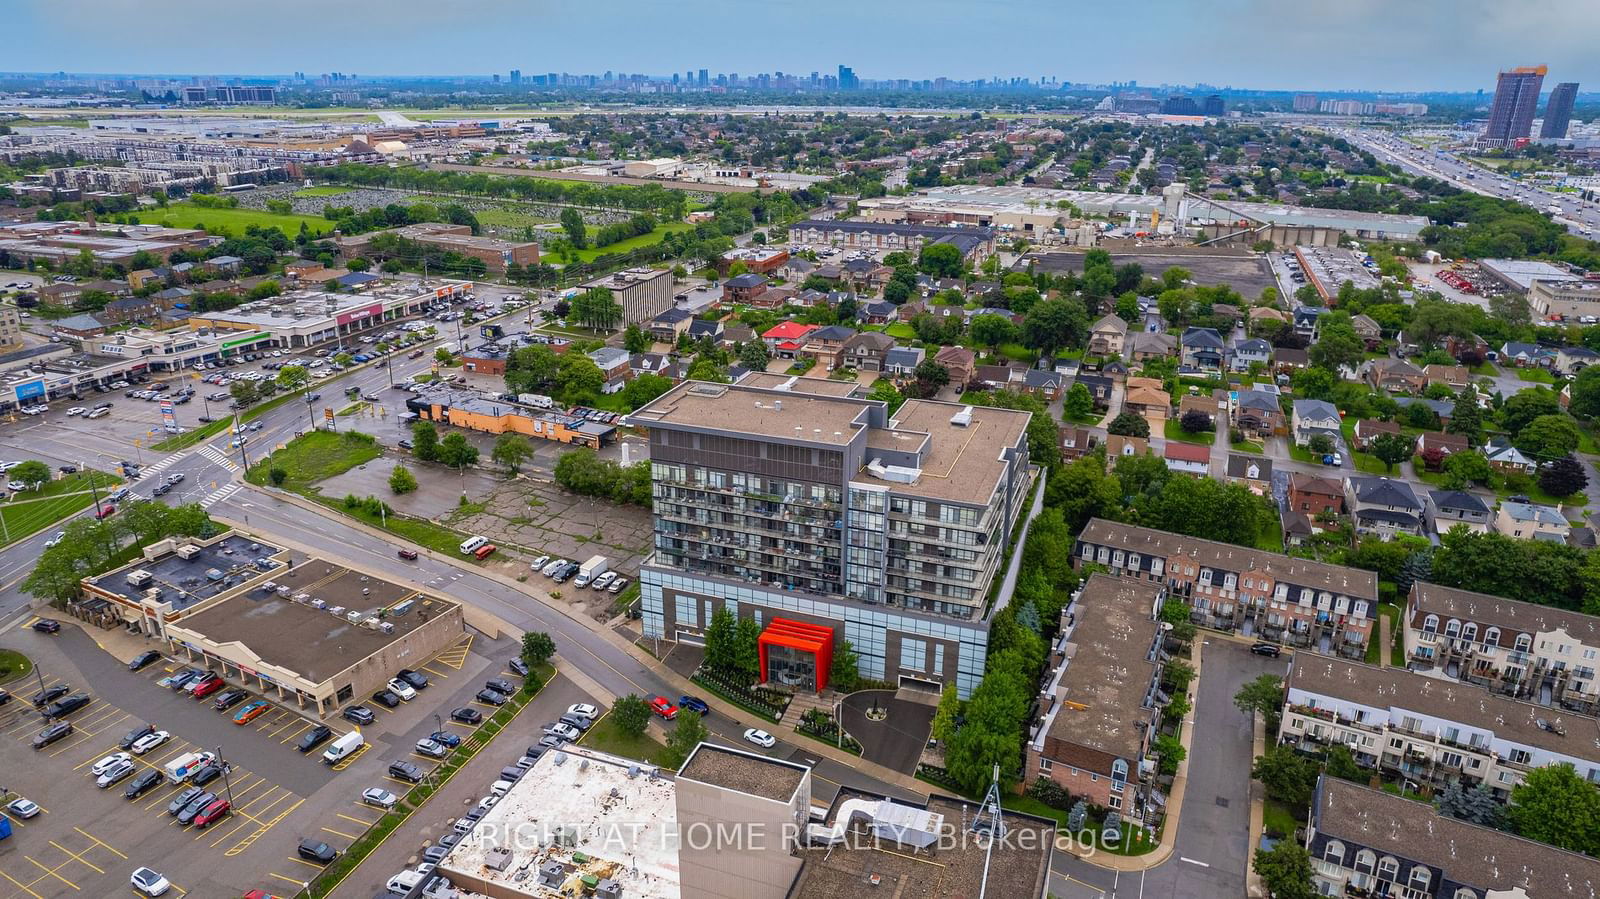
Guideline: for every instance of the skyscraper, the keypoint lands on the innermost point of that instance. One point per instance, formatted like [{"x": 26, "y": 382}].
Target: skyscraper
[
  {"x": 1213, "y": 105},
  {"x": 1516, "y": 97},
  {"x": 1558, "y": 111},
  {"x": 847, "y": 79}
]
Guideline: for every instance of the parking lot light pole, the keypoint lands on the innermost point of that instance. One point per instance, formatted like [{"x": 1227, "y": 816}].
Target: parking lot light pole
[{"x": 227, "y": 782}]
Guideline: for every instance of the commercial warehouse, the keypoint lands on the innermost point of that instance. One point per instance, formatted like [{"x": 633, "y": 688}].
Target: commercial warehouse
[{"x": 304, "y": 318}]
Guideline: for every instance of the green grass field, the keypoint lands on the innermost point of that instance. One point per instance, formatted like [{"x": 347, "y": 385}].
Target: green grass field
[
  {"x": 507, "y": 218},
  {"x": 14, "y": 665},
  {"x": 215, "y": 221},
  {"x": 1174, "y": 431},
  {"x": 633, "y": 243},
  {"x": 607, "y": 737},
  {"x": 325, "y": 191},
  {"x": 901, "y": 331},
  {"x": 314, "y": 456},
  {"x": 23, "y": 518}
]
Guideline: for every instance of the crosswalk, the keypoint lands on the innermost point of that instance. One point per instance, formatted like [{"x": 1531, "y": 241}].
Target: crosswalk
[
  {"x": 162, "y": 465},
  {"x": 220, "y": 494},
  {"x": 219, "y": 457}
]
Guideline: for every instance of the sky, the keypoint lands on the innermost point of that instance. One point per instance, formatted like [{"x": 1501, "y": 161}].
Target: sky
[{"x": 1395, "y": 45}]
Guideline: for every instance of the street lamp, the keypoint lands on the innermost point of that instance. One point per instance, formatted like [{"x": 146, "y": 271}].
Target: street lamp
[
  {"x": 310, "y": 414},
  {"x": 227, "y": 782}
]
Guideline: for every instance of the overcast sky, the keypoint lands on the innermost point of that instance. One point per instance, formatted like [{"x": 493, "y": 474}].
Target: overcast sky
[{"x": 1281, "y": 44}]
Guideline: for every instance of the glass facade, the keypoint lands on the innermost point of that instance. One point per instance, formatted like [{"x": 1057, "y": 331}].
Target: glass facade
[{"x": 794, "y": 668}]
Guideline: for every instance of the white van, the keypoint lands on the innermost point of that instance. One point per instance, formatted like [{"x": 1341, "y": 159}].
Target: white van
[
  {"x": 342, "y": 747},
  {"x": 472, "y": 543}
]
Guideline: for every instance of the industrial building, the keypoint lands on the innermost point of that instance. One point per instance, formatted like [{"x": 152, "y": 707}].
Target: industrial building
[
  {"x": 498, "y": 255},
  {"x": 1328, "y": 268},
  {"x": 643, "y": 293},
  {"x": 296, "y": 627},
  {"x": 822, "y": 518},
  {"x": 490, "y": 414},
  {"x": 975, "y": 243},
  {"x": 303, "y": 318}
]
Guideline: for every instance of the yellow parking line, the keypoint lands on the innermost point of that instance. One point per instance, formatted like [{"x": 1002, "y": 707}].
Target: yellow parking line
[
  {"x": 345, "y": 762},
  {"x": 433, "y": 672},
  {"x": 339, "y": 833},
  {"x": 404, "y": 783},
  {"x": 241, "y": 790},
  {"x": 263, "y": 810},
  {"x": 298, "y": 883},
  {"x": 229, "y": 832},
  {"x": 98, "y": 842},
  {"x": 52, "y": 873},
  {"x": 304, "y": 726},
  {"x": 425, "y": 758},
  {"x": 485, "y": 705},
  {"x": 247, "y": 805},
  {"x": 301, "y": 861},
  {"x": 20, "y": 885},
  {"x": 356, "y": 820},
  {"x": 80, "y": 858},
  {"x": 72, "y": 741},
  {"x": 93, "y": 758}
]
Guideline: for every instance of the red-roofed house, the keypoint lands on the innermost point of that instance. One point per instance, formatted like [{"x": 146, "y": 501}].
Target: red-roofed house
[
  {"x": 1188, "y": 458},
  {"x": 786, "y": 338}
]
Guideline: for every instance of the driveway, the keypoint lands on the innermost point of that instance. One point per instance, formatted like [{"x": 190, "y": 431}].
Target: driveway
[{"x": 897, "y": 740}]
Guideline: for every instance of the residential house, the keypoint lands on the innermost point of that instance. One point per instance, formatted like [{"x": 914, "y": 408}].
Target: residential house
[
  {"x": 1313, "y": 417},
  {"x": 1145, "y": 397},
  {"x": 995, "y": 377},
  {"x": 1115, "y": 369},
  {"x": 1370, "y": 332},
  {"x": 172, "y": 297},
  {"x": 614, "y": 363},
  {"x": 1395, "y": 376},
  {"x": 875, "y": 312},
  {"x": 1046, "y": 384},
  {"x": 666, "y": 327},
  {"x": 80, "y": 326},
  {"x": 1118, "y": 446},
  {"x": 826, "y": 345},
  {"x": 1364, "y": 842},
  {"x": 1286, "y": 360},
  {"x": 1313, "y": 495},
  {"x": 1456, "y": 377},
  {"x": 1305, "y": 319},
  {"x": 1208, "y": 406},
  {"x": 1100, "y": 388},
  {"x": 1094, "y": 733},
  {"x": 1106, "y": 336},
  {"x": 1076, "y": 442},
  {"x": 1247, "y": 351},
  {"x": 1442, "y": 408},
  {"x": 778, "y": 297},
  {"x": 130, "y": 309},
  {"x": 743, "y": 288},
  {"x": 909, "y": 310},
  {"x": 1202, "y": 349},
  {"x": 1251, "y": 472},
  {"x": 222, "y": 265},
  {"x": 1144, "y": 346},
  {"x": 735, "y": 332},
  {"x": 1435, "y": 445},
  {"x": 1523, "y": 355},
  {"x": 62, "y": 293},
  {"x": 1527, "y": 521},
  {"x": 867, "y": 274},
  {"x": 959, "y": 361},
  {"x": 1258, "y": 413},
  {"x": 1296, "y": 601},
  {"x": 1457, "y": 508},
  {"x": 1187, "y": 458},
  {"x": 663, "y": 364},
  {"x": 796, "y": 269},
  {"x": 864, "y": 351},
  {"x": 1297, "y": 528},
  {"x": 1227, "y": 313},
  {"x": 704, "y": 329},
  {"x": 1368, "y": 429},
  {"x": 1507, "y": 459},
  {"x": 1384, "y": 507},
  {"x": 901, "y": 361},
  {"x": 1261, "y": 314},
  {"x": 785, "y": 338}
]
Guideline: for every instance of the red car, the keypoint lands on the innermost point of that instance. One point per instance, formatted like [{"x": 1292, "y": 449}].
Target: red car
[
  {"x": 213, "y": 813},
  {"x": 105, "y": 511},
  {"x": 410, "y": 555},
  {"x": 208, "y": 686},
  {"x": 663, "y": 706}
]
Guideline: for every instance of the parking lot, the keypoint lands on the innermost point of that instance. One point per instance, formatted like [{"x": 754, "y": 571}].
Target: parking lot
[{"x": 86, "y": 841}]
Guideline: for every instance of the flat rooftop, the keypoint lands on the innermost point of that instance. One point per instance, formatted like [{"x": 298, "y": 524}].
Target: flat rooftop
[
  {"x": 963, "y": 464},
  {"x": 798, "y": 384},
  {"x": 586, "y": 812},
  {"x": 745, "y": 772},
  {"x": 298, "y": 636},
  {"x": 1108, "y": 669},
  {"x": 867, "y": 858},
  {"x": 1523, "y": 272},
  {"x": 1332, "y": 266},
  {"x": 209, "y": 571},
  {"x": 739, "y": 409}
]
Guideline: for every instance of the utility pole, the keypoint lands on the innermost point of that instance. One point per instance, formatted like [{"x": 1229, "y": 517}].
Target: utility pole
[
  {"x": 243, "y": 459},
  {"x": 227, "y": 782}
]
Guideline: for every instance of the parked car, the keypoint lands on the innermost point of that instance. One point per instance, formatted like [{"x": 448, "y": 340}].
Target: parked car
[
  {"x": 760, "y": 738},
  {"x": 377, "y": 797},
  {"x": 313, "y": 737},
  {"x": 1272, "y": 650},
  {"x": 135, "y": 735},
  {"x": 564, "y": 731},
  {"x": 250, "y": 711},
  {"x": 66, "y": 705},
  {"x": 182, "y": 800},
  {"x": 694, "y": 704},
  {"x": 406, "y": 771},
  {"x": 663, "y": 706},
  {"x": 115, "y": 773},
  {"x": 414, "y": 678},
  {"x": 359, "y": 714},
  {"x": 431, "y": 749},
  {"x": 402, "y": 689},
  {"x": 47, "y": 626},
  {"x": 445, "y": 738},
  {"x": 51, "y": 734},
  {"x": 150, "y": 741},
  {"x": 144, "y": 783},
  {"x": 229, "y": 698},
  {"x": 386, "y": 699},
  {"x": 207, "y": 774},
  {"x": 187, "y": 815},
  {"x": 618, "y": 585},
  {"x": 50, "y": 694},
  {"x": 490, "y": 697},
  {"x": 314, "y": 850},
  {"x": 466, "y": 716},
  {"x": 149, "y": 882},
  {"x": 518, "y": 667},
  {"x": 143, "y": 659}
]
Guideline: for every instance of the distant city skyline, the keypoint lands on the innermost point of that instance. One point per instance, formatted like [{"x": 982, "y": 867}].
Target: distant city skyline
[{"x": 1363, "y": 45}]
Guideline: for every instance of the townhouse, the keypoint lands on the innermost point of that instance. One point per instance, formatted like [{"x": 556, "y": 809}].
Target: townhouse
[
  {"x": 1300, "y": 602},
  {"x": 1383, "y": 507},
  {"x": 1516, "y": 648},
  {"x": 1430, "y": 731}
]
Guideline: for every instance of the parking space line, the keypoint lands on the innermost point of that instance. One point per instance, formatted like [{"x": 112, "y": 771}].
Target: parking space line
[
  {"x": 304, "y": 726},
  {"x": 356, "y": 820},
  {"x": 95, "y": 758},
  {"x": 345, "y": 763},
  {"x": 298, "y": 883},
  {"x": 433, "y": 672},
  {"x": 248, "y": 841},
  {"x": 301, "y": 861},
  {"x": 247, "y": 805},
  {"x": 20, "y": 885},
  {"x": 240, "y": 791},
  {"x": 238, "y": 823},
  {"x": 52, "y": 872},
  {"x": 404, "y": 783},
  {"x": 339, "y": 833},
  {"x": 81, "y": 860},
  {"x": 99, "y": 842}
]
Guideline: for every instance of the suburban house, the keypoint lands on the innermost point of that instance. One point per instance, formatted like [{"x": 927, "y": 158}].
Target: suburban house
[
  {"x": 1396, "y": 376},
  {"x": 1367, "y": 429},
  {"x": 1145, "y": 397},
  {"x": 1457, "y": 508},
  {"x": 796, "y": 269},
  {"x": 959, "y": 362},
  {"x": 1261, "y": 314},
  {"x": 865, "y": 351},
  {"x": 1438, "y": 443},
  {"x": 1572, "y": 359},
  {"x": 1384, "y": 507},
  {"x": 662, "y": 364},
  {"x": 1226, "y": 312},
  {"x": 1076, "y": 442},
  {"x": 666, "y": 327},
  {"x": 1202, "y": 349},
  {"x": 826, "y": 345},
  {"x": 1258, "y": 413},
  {"x": 1144, "y": 346},
  {"x": 1118, "y": 446},
  {"x": 614, "y": 364},
  {"x": 1523, "y": 355},
  {"x": 1531, "y": 522},
  {"x": 1100, "y": 388},
  {"x": 910, "y": 310},
  {"x": 1507, "y": 459},
  {"x": 1205, "y": 405},
  {"x": 1251, "y": 472},
  {"x": 785, "y": 338},
  {"x": 743, "y": 288},
  {"x": 1187, "y": 458},
  {"x": 1313, "y": 417},
  {"x": 1455, "y": 377},
  {"x": 130, "y": 309},
  {"x": 706, "y": 329},
  {"x": 1312, "y": 496},
  {"x": 1107, "y": 335},
  {"x": 875, "y": 312},
  {"x": 1247, "y": 351},
  {"x": 1305, "y": 319},
  {"x": 1370, "y": 332},
  {"x": 1044, "y": 383},
  {"x": 996, "y": 377},
  {"x": 1442, "y": 408},
  {"x": 901, "y": 361},
  {"x": 1286, "y": 360}
]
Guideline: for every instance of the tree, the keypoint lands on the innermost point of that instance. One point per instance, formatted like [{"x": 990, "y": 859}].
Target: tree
[
  {"x": 443, "y": 356},
  {"x": 721, "y": 636},
  {"x": 425, "y": 441},
  {"x": 510, "y": 450},
  {"x": 992, "y": 330},
  {"x": 292, "y": 377},
  {"x": 1337, "y": 346},
  {"x": 1548, "y": 437},
  {"x": 1054, "y": 324},
  {"x": 1264, "y": 695},
  {"x": 1392, "y": 449},
  {"x": 1558, "y": 477},
  {"x": 941, "y": 260},
  {"x": 1078, "y": 404},
  {"x": 1477, "y": 805},
  {"x": 1287, "y": 776},
  {"x": 747, "y": 650},
  {"x": 1341, "y": 763},
  {"x": 896, "y": 292},
  {"x": 1586, "y": 393},
  {"x": 1556, "y": 805},
  {"x": 572, "y": 223},
  {"x": 631, "y": 714},
  {"x": 33, "y": 474},
  {"x": 844, "y": 674},
  {"x": 1169, "y": 751},
  {"x": 1285, "y": 870},
  {"x": 532, "y": 370},
  {"x": 1128, "y": 424},
  {"x": 578, "y": 379},
  {"x": 884, "y": 391},
  {"x": 1196, "y": 422},
  {"x": 644, "y": 388},
  {"x": 597, "y": 308},
  {"x": 930, "y": 376},
  {"x": 1320, "y": 444},
  {"x": 344, "y": 359},
  {"x": 537, "y": 648},
  {"x": 688, "y": 731},
  {"x": 1524, "y": 406},
  {"x": 944, "y": 717},
  {"x": 1466, "y": 418},
  {"x": 244, "y": 392},
  {"x": 277, "y": 475},
  {"x": 1463, "y": 469},
  {"x": 456, "y": 452},
  {"x": 635, "y": 340},
  {"x": 401, "y": 480}
]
